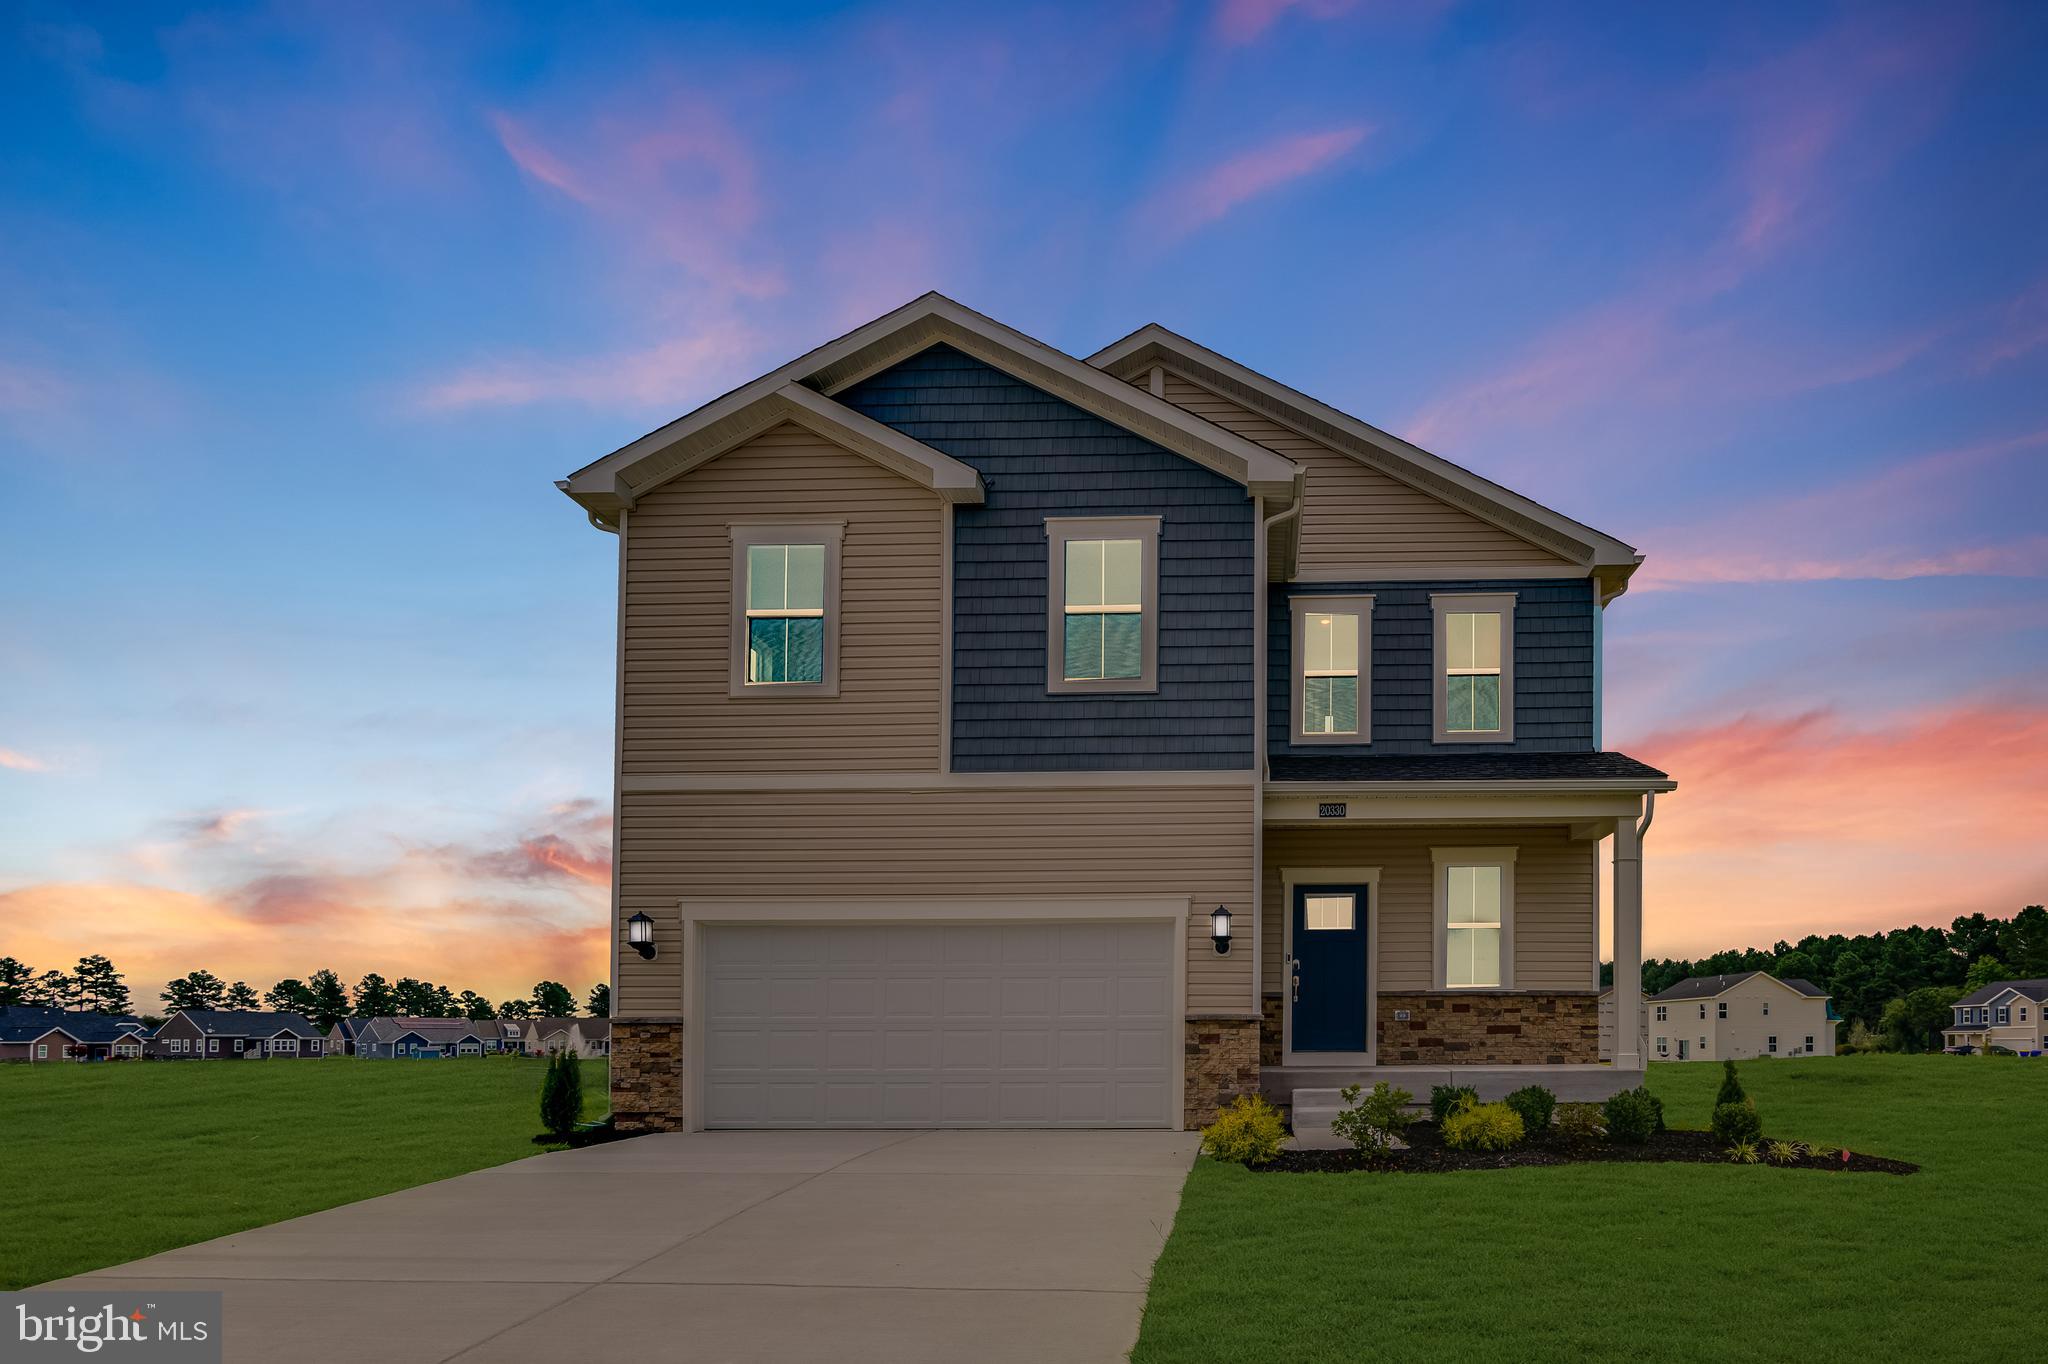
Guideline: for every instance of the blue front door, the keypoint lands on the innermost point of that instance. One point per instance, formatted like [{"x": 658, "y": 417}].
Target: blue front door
[{"x": 1327, "y": 975}]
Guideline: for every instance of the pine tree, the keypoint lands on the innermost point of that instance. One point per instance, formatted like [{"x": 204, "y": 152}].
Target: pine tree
[
  {"x": 601, "y": 1000},
  {"x": 16, "y": 980},
  {"x": 551, "y": 999},
  {"x": 475, "y": 1007},
  {"x": 1731, "y": 1088},
  {"x": 561, "y": 1094},
  {"x": 100, "y": 986},
  {"x": 374, "y": 998},
  {"x": 241, "y": 996},
  {"x": 290, "y": 995},
  {"x": 327, "y": 998},
  {"x": 195, "y": 990}
]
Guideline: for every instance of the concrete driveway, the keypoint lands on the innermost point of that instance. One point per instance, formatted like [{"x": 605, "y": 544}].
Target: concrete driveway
[{"x": 841, "y": 1246}]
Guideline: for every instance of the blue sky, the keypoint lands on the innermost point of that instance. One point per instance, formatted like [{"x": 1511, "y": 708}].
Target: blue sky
[{"x": 303, "y": 658}]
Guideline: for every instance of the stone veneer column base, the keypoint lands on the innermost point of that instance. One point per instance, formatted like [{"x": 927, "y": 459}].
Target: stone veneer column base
[
  {"x": 1489, "y": 1030},
  {"x": 1270, "y": 1024},
  {"x": 1222, "y": 1064},
  {"x": 647, "y": 1074}
]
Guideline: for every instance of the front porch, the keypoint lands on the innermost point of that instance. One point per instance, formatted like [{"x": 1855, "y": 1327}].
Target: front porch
[{"x": 1430, "y": 933}]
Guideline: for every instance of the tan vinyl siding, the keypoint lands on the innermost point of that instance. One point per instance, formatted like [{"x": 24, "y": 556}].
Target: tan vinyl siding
[
  {"x": 1556, "y": 910},
  {"x": 1354, "y": 517},
  {"x": 678, "y": 716},
  {"x": 1161, "y": 841}
]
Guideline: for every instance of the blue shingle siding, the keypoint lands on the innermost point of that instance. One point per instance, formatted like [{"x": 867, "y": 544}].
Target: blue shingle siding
[
  {"x": 1038, "y": 457},
  {"x": 1553, "y": 665}
]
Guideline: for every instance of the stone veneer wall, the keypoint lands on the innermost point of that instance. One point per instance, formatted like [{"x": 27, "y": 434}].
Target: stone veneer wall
[
  {"x": 1489, "y": 1030},
  {"x": 647, "y": 1074},
  {"x": 1270, "y": 1024},
  {"x": 1222, "y": 1063}
]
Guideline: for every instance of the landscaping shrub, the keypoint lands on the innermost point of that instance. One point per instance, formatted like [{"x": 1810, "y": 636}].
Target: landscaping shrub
[
  {"x": 1737, "y": 1122},
  {"x": 1744, "y": 1153},
  {"x": 1731, "y": 1088},
  {"x": 1249, "y": 1132},
  {"x": 1784, "y": 1152},
  {"x": 561, "y": 1094},
  {"x": 1444, "y": 1098},
  {"x": 1633, "y": 1116},
  {"x": 1372, "y": 1123},
  {"x": 1580, "y": 1124},
  {"x": 1482, "y": 1127},
  {"x": 1534, "y": 1104}
]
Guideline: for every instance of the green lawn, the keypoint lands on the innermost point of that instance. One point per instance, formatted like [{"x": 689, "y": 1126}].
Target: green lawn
[
  {"x": 1647, "y": 1261},
  {"x": 104, "y": 1163}
]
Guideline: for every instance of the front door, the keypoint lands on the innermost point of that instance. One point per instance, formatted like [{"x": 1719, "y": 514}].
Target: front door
[{"x": 1327, "y": 973}]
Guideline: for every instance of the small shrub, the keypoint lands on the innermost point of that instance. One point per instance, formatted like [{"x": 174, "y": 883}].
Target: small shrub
[
  {"x": 561, "y": 1094},
  {"x": 1737, "y": 1122},
  {"x": 1580, "y": 1124},
  {"x": 1784, "y": 1152},
  {"x": 1633, "y": 1116},
  {"x": 1372, "y": 1123},
  {"x": 1249, "y": 1132},
  {"x": 1744, "y": 1153},
  {"x": 1534, "y": 1104},
  {"x": 1444, "y": 1098},
  {"x": 1731, "y": 1088},
  {"x": 1482, "y": 1127}
]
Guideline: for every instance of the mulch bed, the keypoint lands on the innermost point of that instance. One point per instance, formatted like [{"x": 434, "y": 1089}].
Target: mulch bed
[
  {"x": 586, "y": 1134},
  {"x": 1426, "y": 1154}
]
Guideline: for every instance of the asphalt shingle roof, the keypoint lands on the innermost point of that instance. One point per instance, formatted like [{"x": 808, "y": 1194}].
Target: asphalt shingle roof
[
  {"x": 250, "y": 1023},
  {"x": 1706, "y": 987},
  {"x": 2029, "y": 989},
  {"x": 26, "y": 1022},
  {"x": 1460, "y": 767}
]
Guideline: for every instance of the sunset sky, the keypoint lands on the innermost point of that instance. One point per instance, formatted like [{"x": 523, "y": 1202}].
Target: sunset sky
[{"x": 304, "y": 662}]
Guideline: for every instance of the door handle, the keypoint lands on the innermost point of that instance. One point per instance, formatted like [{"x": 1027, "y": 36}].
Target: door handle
[{"x": 1296, "y": 975}]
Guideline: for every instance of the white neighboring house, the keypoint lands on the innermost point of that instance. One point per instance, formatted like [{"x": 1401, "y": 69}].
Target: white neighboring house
[
  {"x": 1753, "y": 1015},
  {"x": 589, "y": 1038}
]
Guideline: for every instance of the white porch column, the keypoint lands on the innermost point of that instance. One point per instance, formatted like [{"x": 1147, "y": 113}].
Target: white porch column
[{"x": 1628, "y": 944}]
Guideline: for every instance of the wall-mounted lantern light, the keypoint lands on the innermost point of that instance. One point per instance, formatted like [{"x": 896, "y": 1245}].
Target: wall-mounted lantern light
[
  {"x": 640, "y": 935},
  {"x": 1219, "y": 930}
]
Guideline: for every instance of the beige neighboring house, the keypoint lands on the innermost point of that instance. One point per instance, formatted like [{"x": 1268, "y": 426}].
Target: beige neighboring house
[
  {"x": 586, "y": 1037},
  {"x": 2006, "y": 1014},
  {"x": 1753, "y": 1015}
]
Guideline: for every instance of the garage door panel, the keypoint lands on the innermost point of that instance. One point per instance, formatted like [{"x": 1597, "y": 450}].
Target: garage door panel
[{"x": 1027, "y": 1024}]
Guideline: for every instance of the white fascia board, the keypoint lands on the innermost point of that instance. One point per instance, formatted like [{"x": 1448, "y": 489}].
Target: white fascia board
[
  {"x": 1126, "y": 356},
  {"x": 607, "y": 485},
  {"x": 1552, "y": 786}
]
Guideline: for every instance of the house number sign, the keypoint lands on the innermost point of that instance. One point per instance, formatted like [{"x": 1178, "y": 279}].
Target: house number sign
[{"x": 1332, "y": 809}]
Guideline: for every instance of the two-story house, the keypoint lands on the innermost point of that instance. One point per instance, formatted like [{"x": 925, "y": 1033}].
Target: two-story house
[
  {"x": 1744, "y": 1016},
  {"x": 2007, "y": 1015},
  {"x": 1011, "y": 739}
]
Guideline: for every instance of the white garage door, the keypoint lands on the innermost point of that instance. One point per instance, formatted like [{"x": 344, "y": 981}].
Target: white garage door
[{"x": 1026, "y": 1024}]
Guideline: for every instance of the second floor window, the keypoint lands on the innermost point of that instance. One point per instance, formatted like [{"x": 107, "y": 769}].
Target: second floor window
[
  {"x": 786, "y": 598},
  {"x": 1333, "y": 669},
  {"x": 1475, "y": 668},
  {"x": 1102, "y": 604}
]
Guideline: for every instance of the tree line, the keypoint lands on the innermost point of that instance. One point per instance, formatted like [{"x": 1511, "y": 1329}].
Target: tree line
[
  {"x": 1893, "y": 989},
  {"x": 97, "y": 986}
]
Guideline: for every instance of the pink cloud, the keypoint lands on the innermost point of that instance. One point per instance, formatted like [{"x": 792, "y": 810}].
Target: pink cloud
[
  {"x": 1787, "y": 825},
  {"x": 33, "y": 389},
  {"x": 1210, "y": 194},
  {"x": 665, "y": 374},
  {"x": 1238, "y": 22},
  {"x": 17, "y": 761},
  {"x": 2020, "y": 328},
  {"x": 1873, "y": 526}
]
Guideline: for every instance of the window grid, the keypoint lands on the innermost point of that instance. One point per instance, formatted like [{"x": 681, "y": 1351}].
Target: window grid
[
  {"x": 785, "y": 614},
  {"x": 1105, "y": 610},
  {"x": 1472, "y": 935},
  {"x": 1473, "y": 640}
]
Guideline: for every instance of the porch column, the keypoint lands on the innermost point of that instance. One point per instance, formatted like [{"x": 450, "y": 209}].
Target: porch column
[{"x": 1628, "y": 944}]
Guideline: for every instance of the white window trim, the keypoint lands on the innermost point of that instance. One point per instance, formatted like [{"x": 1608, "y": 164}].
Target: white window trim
[
  {"x": 1662, "y": 1016},
  {"x": 1443, "y": 859},
  {"x": 42, "y": 1051},
  {"x": 1292, "y": 878},
  {"x": 1360, "y": 606},
  {"x": 1058, "y": 531},
  {"x": 239, "y": 1046},
  {"x": 745, "y": 535},
  {"x": 1444, "y": 605}
]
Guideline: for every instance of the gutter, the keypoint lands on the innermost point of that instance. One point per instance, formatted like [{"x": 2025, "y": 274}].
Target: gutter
[
  {"x": 1550, "y": 786},
  {"x": 1260, "y": 625}
]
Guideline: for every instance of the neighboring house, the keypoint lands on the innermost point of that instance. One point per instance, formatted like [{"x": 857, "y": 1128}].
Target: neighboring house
[
  {"x": 2011, "y": 1015},
  {"x": 1738, "y": 1017},
  {"x": 235, "y": 1035},
  {"x": 29, "y": 1033},
  {"x": 587, "y": 1037},
  {"x": 385, "y": 1039},
  {"x": 969, "y": 689},
  {"x": 342, "y": 1037}
]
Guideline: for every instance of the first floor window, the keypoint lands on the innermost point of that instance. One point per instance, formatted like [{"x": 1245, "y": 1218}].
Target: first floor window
[
  {"x": 1809, "y": 1044},
  {"x": 42, "y": 1051},
  {"x": 239, "y": 1044},
  {"x": 213, "y": 1044},
  {"x": 1663, "y": 1047},
  {"x": 1102, "y": 609},
  {"x": 1475, "y": 893},
  {"x": 1773, "y": 1044}
]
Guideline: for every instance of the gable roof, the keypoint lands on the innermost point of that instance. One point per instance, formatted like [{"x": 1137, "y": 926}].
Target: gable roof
[
  {"x": 27, "y": 1022},
  {"x": 248, "y": 1022},
  {"x": 1610, "y": 561},
  {"x": 2033, "y": 990},
  {"x": 801, "y": 390},
  {"x": 1707, "y": 987}
]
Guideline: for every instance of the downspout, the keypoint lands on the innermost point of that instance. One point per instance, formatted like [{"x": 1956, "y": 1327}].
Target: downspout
[{"x": 1260, "y": 670}]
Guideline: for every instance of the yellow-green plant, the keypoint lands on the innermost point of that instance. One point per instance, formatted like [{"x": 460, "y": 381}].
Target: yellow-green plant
[
  {"x": 1744, "y": 1153},
  {"x": 1481, "y": 1127},
  {"x": 1249, "y": 1132},
  {"x": 1784, "y": 1152},
  {"x": 1372, "y": 1123},
  {"x": 1580, "y": 1124}
]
